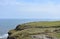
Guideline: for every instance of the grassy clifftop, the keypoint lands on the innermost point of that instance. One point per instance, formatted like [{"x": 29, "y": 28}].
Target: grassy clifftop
[{"x": 27, "y": 30}]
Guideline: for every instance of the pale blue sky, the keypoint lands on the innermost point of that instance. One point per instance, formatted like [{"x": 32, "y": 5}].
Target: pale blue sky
[{"x": 28, "y": 9}]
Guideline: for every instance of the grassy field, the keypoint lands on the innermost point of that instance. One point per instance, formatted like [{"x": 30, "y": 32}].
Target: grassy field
[{"x": 23, "y": 31}]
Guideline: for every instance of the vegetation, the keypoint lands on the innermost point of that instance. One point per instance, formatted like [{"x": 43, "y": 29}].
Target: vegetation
[{"x": 24, "y": 31}]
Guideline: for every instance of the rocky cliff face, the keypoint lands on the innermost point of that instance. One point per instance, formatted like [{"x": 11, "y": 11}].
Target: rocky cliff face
[{"x": 35, "y": 30}]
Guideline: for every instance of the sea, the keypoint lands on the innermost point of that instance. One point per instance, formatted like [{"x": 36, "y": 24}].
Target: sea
[{"x": 8, "y": 24}]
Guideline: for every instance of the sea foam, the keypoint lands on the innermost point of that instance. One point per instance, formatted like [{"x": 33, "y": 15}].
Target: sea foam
[{"x": 4, "y": 36}]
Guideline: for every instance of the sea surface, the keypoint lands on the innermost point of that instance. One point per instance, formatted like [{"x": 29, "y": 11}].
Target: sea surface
[{"x": 8, "y": 24}]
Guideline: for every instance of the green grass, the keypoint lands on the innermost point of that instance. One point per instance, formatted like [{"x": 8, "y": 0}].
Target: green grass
[
  {"x": 54, "y": 23},
  {"x": 57, "y": 35},
  {"x": 23, "y": 31}
]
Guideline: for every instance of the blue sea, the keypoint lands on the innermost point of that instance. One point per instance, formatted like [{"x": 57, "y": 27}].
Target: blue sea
[{"x": 8, "y": 24}]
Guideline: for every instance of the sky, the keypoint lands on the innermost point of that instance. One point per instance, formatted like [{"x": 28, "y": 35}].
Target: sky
[{"x": 29, "y": 9}]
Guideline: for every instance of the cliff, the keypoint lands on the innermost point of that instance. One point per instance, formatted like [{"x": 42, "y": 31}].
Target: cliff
[{"x": 36, "y": 30}]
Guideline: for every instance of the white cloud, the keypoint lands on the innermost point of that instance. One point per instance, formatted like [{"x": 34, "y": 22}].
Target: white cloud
[
  {"x": 46, "y": 9},
  {"x": 7, "y": 2},
  {"x": 49, "y": 9}
]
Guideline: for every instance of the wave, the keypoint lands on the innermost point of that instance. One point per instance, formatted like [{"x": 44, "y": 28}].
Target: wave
[{"x": 4, "y": 36}]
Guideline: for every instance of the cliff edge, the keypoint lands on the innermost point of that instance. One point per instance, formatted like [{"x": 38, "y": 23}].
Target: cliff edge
[{"x": 36, "y": 30}]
